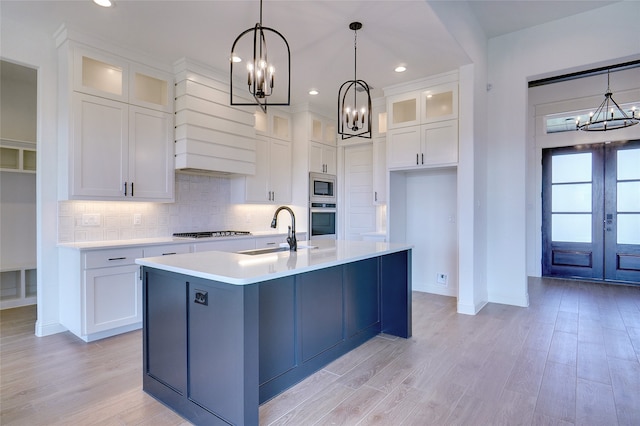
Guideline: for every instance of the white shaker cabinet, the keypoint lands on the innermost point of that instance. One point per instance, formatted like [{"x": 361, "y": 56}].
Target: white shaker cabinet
[
  {"x": 271, "y": 183},
  {"x": 120, "y": 152},
  {"x": 423, "y": 127},
  {"x": 322, "y": 158},
  {"x": 150, "y": 155},
  {"x": 100, "y": 292},
  {"x": 379, "y": 171},
  {"x": 432, "y": 144},
  {"x": 116, "y": 127}
]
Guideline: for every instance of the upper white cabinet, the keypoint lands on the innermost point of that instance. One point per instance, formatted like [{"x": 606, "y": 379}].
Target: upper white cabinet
[
  {"x": 379, "y": 170},
  {"x": 403, "y": 110},
  {"x": 322, "y": 158},
  {"x": 116, "y": 127},
  {"x": 211, "y": 135},
  {"x": 271, "y": 183},
  {"x": 276, "y": 124},
  {"x": 322, "y": 130},
  {"x": 438, "y": 103},
  {"x": 434, "y": 144},
  {"x": 120, "y": 151},
  {"x": 112, "y": 77},
  {"x": 423, "y": 127}
]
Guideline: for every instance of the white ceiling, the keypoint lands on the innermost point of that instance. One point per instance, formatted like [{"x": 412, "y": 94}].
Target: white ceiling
[{"x": 394, "y": 32}]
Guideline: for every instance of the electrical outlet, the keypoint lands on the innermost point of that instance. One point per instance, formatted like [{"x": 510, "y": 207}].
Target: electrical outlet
[
  {"x": 442, "y": 278},
  {"x": 91, "y": 219},
  {"x": 137, "y": 219}
]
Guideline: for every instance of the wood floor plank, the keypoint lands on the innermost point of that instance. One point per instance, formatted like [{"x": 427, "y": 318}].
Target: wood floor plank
[
  {"x": 440, "y": 399},
  {"x": 540, "y": 336},
  {"x": 564, "y": 348},
  {"x": 281, "y": 404},
  {"x": 395, "y": 407},
  {"x": 557, "y": 397},
  {"x": 514, "y": 409},
  {"x": 625, "y": 381},
  {"x": 526, "y": 375},
  {"x": 354, "y": 408},
  {"x": 618, "y": 345},
  {"x": 567, "y": 322},
  {"x": 595, "y": 404},
  {"x": 592, "y": 363}
]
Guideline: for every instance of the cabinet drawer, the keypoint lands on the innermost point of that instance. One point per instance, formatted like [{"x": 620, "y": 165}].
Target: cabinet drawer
[
  {"x": 166, "y": 250},
  {"x": 114, "y": 257}
]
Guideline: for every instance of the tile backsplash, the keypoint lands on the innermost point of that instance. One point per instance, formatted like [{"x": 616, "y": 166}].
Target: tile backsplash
[{"x": 202, "y": 203}]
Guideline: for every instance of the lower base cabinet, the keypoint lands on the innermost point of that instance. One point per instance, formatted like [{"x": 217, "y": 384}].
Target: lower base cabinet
[
  {"x": 100, "y": 292},
  {"x": 213, "y": 351}
]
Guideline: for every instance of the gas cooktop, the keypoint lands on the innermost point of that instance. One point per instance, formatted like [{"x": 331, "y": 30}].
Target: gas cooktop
[{"x": 209, "y": 234}]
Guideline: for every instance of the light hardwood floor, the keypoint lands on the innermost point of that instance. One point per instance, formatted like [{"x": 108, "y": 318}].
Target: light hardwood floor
[{"x": 572, "y": 357}]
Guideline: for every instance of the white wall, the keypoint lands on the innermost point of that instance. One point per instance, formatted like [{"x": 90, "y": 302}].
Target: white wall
[
  {"x": 431, "y": 220},
  {"x": 570, "y": 44},
  {"x": 18, "y": 105},
  {"x": 34, "y": 48},
  {"x": 18, "y": 102}
]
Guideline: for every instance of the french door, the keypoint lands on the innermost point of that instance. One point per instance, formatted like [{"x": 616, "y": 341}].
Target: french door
[{"x": 591, "y": 212}]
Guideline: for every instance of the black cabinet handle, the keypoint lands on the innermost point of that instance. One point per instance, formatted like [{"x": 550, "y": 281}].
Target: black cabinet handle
[
  {"x": 132, "y": 189},
  {"x": 117, "y": 258},
  {"x": 168, "y": 254},
  {"x": 125, "y": 189},
  {"x": 132, "y": 184},
  {"x": 417, "y": 159}
]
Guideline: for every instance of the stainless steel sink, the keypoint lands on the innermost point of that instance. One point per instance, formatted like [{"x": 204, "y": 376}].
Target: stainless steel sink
[{"x": 254, "y": 252}]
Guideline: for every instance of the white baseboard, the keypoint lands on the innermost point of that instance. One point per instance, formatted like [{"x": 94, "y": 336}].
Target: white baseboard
[
  {"x": 48, "y": 329},
  {"x": 435, "y": 289},
  {"x": 469, "y": 309}
]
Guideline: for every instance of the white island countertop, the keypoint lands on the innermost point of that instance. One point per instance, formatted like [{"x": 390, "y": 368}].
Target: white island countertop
[{"x": 242, "y": 269}]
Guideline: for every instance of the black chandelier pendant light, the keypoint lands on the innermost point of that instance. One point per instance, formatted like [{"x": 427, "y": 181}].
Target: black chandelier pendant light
[
  {"x": 354, "y": 111},
  {"x": 260, "y": 73},
  {"x": 608, "y": 116}
]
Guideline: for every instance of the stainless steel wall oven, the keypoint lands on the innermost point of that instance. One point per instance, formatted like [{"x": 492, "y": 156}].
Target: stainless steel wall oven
[{"x": 322, "y": 221}]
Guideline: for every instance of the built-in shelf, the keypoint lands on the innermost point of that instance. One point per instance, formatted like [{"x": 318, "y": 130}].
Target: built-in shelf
[
  {"x": 18, "y": 286},
  {"x": 17, "y": 156}
]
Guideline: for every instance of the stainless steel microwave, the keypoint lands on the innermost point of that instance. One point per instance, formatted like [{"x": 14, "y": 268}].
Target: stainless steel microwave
[{"x": 322, "y": 188}]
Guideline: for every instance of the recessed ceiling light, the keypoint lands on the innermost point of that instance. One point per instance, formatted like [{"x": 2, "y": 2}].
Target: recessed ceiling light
[
  {"x": 103, "y": 3},
  {"x": 313, "y": 92},
  {"x": 401, "y": 68}
]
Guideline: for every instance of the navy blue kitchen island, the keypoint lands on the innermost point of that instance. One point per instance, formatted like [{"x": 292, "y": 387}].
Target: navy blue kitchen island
[{"x": 225, "y": 332}]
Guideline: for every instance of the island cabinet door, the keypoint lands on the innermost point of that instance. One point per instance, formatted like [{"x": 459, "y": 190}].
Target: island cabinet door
[
  {"x": 277, "y": 328},
  {"x": 166, "y": 330},
  {"x": 320, "y": 310},
  {"x": 223, "y": 350},
  {"x": 362, "y": 296}
]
